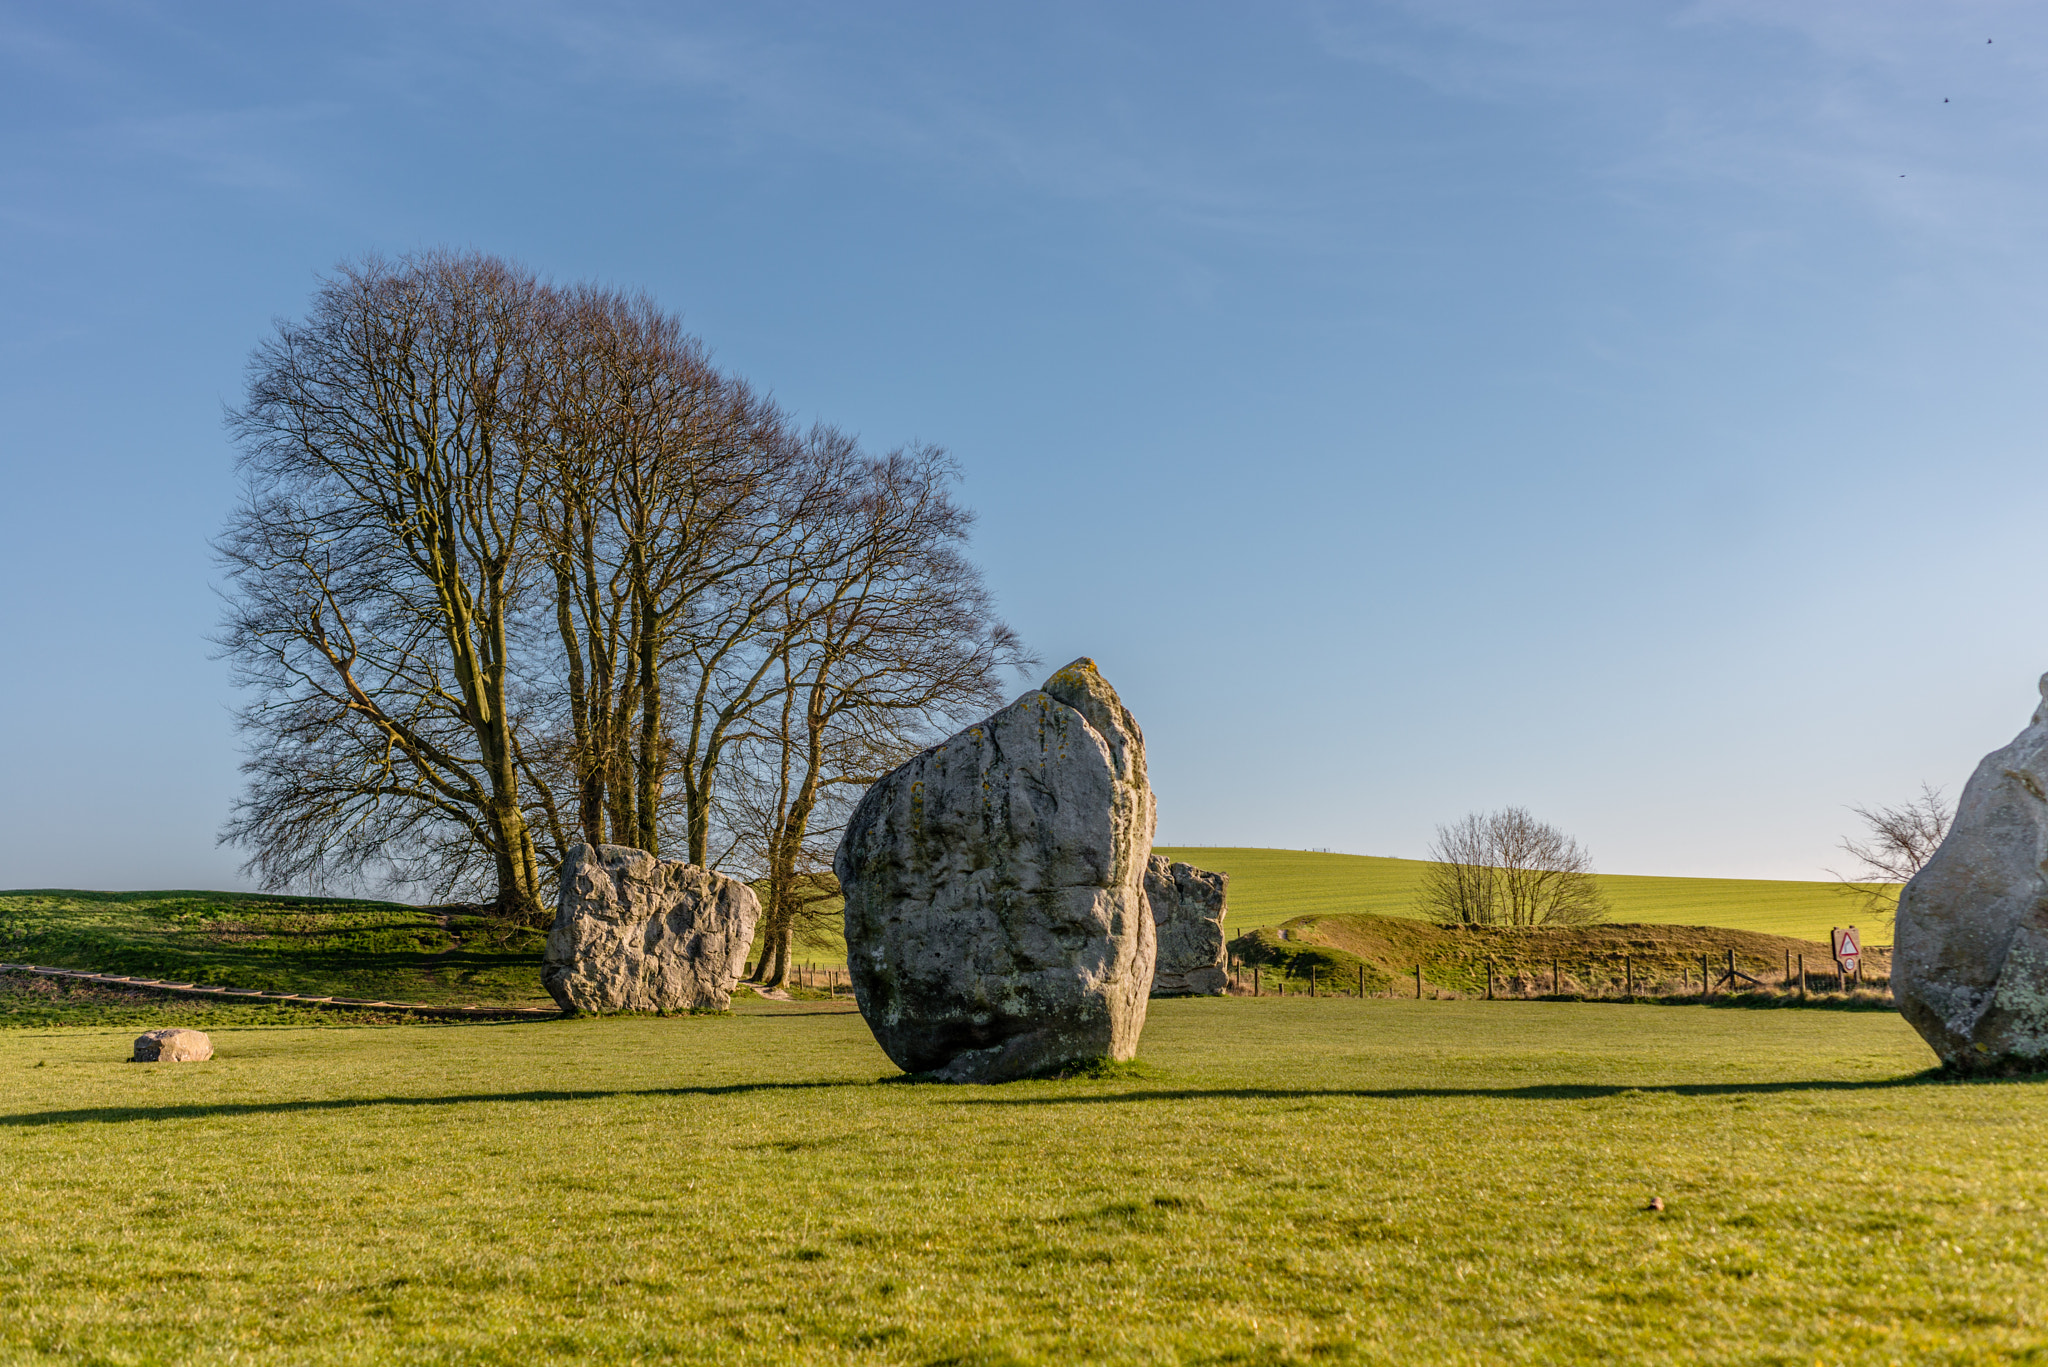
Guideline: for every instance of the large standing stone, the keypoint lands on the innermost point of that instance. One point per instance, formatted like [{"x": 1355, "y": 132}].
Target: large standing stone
[
  {"x": 1187, "y": 910},
  {"x": 1970, "y": 952},
  {"x": 173, "y": 1046},
  {"x": 996, "y": 922},
  {"x": 637, "y": 933}
]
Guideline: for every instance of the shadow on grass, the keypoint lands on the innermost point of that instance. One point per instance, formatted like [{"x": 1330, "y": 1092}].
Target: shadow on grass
[
  {"x": 1557, "y": 1091},
  {"x": 1541, "y": 1092},
  {"x": 207, "y": 1110}
]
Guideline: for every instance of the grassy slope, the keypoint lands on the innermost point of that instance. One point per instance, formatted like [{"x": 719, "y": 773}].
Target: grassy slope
[
  {"x": 1608, "y": 959},
  {"x": 1288, "y": 1180},
  {"x": 1271, "y": 886},
  {"x": 320, "y": 945}
]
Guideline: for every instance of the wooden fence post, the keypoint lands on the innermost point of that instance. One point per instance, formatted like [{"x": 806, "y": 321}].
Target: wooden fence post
[
  {"x": 1311, "y": 980},
  {"x": 1628, "y": 976},
  {"x": 1361, "y": 982},
  {"x": 1418, "y": 982},
  {"x": 1255, "y": 980},
  {"x": 1802, "y": 977}
]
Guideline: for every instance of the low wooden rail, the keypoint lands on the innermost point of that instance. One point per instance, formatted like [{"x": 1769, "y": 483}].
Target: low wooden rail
[{"x": 245, "y": 994}]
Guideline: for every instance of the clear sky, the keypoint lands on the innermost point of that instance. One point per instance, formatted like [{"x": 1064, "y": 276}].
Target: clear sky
[{"x": 1633, "y": 411}]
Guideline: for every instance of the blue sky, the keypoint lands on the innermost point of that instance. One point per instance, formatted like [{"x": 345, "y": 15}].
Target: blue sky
[{"x": 1633, "y": 411}]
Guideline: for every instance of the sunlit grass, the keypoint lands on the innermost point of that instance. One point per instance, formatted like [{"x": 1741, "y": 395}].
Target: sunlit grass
[{"x": 1277, "y": 1180}]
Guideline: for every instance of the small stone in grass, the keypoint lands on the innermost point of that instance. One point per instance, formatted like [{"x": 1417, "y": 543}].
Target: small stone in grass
[
  {"x": 173, "y": 1046},
  {"x": 1656, "y": 1203}
]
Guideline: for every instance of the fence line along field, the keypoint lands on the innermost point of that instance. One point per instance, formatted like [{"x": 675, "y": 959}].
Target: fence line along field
[{"x": 1274, "y": 1180}]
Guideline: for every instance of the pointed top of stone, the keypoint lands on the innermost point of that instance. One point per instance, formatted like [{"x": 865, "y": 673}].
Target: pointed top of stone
[{"x": 1081, "y": 686}]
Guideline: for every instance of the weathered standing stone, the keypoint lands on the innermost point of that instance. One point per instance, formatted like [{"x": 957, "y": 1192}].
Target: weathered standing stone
[
  {"x": 637, "y": 933},
  {"x": 1187, "y": 909},
  {"x": 173, "y": 1046},
  {"x": 996, "y": 922},
  {"x": 1970, "y": 945}
]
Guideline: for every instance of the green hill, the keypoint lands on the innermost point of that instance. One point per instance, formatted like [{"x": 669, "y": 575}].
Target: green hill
[
  {"x": 342, "y": 947},
  {"x": 1268, "y": 887}
]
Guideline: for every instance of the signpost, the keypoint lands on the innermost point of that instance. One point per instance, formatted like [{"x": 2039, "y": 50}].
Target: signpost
[{"x": 1848, "y": 949}]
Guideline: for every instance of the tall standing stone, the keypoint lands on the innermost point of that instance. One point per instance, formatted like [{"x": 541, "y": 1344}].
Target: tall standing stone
[
  {"x": 1187, "y": 912},
  {"x": 1970, "y": 951},
  {"x": 996, "y": 921},
  {"x": 637, "y": 933}
]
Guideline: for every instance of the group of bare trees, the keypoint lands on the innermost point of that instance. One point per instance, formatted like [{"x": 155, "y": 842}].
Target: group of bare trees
[{"x": 518, "y": 567}]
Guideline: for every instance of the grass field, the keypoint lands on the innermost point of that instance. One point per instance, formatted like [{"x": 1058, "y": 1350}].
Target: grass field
[
  {"x": 1268, "y": 887},
  {"x": 1276, "y": 1181}
]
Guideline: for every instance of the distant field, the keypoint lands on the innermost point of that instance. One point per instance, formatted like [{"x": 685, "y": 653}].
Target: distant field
[{"x": 1268, "y": 887}]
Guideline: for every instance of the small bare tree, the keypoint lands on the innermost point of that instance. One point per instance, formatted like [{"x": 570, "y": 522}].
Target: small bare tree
[
  {"x": 1508, "y": 868},
  {"x": 1899, "y": 841}
]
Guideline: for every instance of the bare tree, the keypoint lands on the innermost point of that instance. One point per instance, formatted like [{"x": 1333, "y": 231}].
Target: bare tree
[
  {"x": 1899, "y": 841},
  {"x": 888, "y": 633},
  {"x": 375, "y": 571},
  {"x": 665, "y": 490},
  {"x": 1507, "y": 868}
]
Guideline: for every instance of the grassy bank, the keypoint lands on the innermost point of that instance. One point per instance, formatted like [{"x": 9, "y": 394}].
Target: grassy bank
[
  {"x": 323, "y": 946},
  {"x": 1383, "y": 953},
  {"x": 1268, "y": 887},
  {"x": 1284, "y": 1180}
]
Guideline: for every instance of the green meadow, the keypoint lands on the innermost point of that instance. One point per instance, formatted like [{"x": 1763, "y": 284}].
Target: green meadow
[
  {"x": 1274, "y": 1181},
  {"x": 1268, "y": 887},
  {"x": 320, "y": 946}
]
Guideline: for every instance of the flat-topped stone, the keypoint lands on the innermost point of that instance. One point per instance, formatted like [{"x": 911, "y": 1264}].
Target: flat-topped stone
[{"x": 637, "y": 933}]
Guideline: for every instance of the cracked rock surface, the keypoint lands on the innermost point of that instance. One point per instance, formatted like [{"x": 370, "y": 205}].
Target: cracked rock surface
[
  {"x": 637, "y": 933},
  {"x": 996, "y": 919},
  {"x": 176, "y": 1045},
  {"x": 1187, "y": 912},
  {"x": 1970, "y": 947}
]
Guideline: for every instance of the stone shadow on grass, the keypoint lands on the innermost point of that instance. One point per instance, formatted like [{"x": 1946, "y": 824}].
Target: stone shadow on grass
[
  {"x": 1555, "y": 1091},
  {"x": 209, "y": 1110}
]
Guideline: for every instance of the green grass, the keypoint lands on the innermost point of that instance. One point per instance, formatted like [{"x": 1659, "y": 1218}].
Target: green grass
[
  {"x": 322, "y": 946},
  {"x": 1268, "y": 887},
  {"x": 1274, "y": 1181}
]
